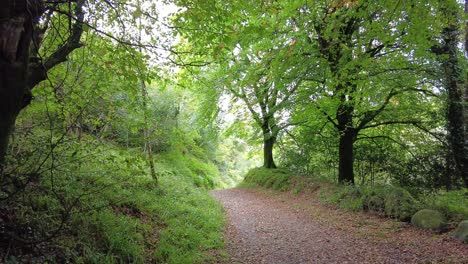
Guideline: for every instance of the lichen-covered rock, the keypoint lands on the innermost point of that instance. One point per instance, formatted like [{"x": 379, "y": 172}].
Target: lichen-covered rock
[
  {"x": 461, "y": 233},
  {"x": 399, "y": 204},
  {"x": 429, "y": 219},
  {"x": 375, "y": 203}
]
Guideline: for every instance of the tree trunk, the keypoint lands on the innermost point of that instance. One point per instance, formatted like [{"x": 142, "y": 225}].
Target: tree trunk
[
  {"x": 11, "y": 93},
  {"x": 465, "y": 107},
  {"x": 346, "y": 158},
  {"x": 268, "y": 145},
  {"x": 466, "y": 30},
  {"x": 17, "y": 19},
  {"x": 453, "y": 82},
  {"x": 346, "y": 148}
]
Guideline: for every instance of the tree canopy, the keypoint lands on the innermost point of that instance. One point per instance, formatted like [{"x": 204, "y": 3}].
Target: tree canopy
[{"x": 110, "y": 111}]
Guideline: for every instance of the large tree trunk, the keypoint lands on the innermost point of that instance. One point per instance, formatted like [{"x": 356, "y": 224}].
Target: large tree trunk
[
  {"x": 346, "y": 159},
  {"x": 268, "y": 161},
  {"x": 17, "y": 19},
  {"x": 346, "y": 148},
  {"x": 466, "y": 30},
  {"x": 19, "y": 73},
  {"x": 12, "y": 83},
  {"x": 453, "y": 82},
  {"x": 465, "y": 107}
]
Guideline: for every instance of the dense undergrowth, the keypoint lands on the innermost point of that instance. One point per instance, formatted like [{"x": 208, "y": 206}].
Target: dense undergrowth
[
  {"x": 388, "y": 200},
  {"x": 96, "y": 203}
]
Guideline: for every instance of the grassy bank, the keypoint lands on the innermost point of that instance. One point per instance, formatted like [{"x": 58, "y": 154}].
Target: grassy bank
[
  {"x": 96, "y": 203},
  {"x": 387, "y": 200}
]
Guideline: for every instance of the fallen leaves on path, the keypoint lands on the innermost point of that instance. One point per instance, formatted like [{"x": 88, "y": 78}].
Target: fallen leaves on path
[{"x": 271, "y": 227}]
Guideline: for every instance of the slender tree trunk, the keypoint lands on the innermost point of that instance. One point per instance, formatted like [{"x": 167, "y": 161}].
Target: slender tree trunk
[
  {"x": 146, "y": 131},
  {"x": 17, "y": 19},
  {"x": 346, "y": 148}
]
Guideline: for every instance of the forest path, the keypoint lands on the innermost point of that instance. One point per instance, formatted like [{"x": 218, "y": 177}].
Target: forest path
[{"x": 271, "y": 227}]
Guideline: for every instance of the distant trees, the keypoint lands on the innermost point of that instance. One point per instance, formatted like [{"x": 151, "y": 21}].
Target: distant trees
[
  {"x": 267, "y": 95},
  {"x": 360, "y": 69},
  {"x": 455, "y": 81},
  {"x": 255, "y": 63}
]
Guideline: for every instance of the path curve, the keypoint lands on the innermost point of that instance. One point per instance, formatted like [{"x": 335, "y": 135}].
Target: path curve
[{"x": 271, "y": 227}]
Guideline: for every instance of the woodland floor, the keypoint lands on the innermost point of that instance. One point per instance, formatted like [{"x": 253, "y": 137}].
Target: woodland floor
[{"x": 272, "y": 227}]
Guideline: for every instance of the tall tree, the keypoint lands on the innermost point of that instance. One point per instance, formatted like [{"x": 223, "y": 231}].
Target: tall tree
[
  {"x": 453, "y": 77},
  {"x": 267, "y": 94},
  {"x": 252, "y": 47},
  {"x": 367, "y": 50}
]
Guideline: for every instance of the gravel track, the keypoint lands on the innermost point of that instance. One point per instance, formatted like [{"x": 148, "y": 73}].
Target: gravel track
[{"x": 272, "y": 227}]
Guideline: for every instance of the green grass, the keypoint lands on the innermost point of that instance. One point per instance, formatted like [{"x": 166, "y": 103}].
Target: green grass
[
  {"x": 453, "y": 204},
  {"x": 193, "y": 222},
  {"x": 391, "y": 201},
  {"x": 277, "y": 179},
  {"x": 115, "y": 213}
]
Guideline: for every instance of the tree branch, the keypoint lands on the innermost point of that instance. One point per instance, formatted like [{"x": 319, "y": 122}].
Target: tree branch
[
  {"x": 392, "y": 122},
  {"x": 38, "y": 71}
]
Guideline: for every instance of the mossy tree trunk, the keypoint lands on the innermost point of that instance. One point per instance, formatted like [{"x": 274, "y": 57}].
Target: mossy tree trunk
[
  {"x": 454, "y": 82},
  {"x": 268, "y": 161},
  {"x": 17, "y": 19},
  {"x": 21, "y": 69}
]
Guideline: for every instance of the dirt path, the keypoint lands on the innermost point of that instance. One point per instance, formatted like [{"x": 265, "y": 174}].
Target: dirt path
[{"x": 267, "y": 227}]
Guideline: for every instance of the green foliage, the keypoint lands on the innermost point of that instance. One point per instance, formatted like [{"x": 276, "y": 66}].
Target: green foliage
[
  {"x": 277, "y": 179},
  {"x": 77, "y": 173},
  {"x": 388, "y": 200},
  {"x": 114, "y": 211},
  {"x": 83, "y": 177},
  {"x": 372, "y": 58},
  {"x": 194, "y": 224},
  {"x": 453, "y": 204},
  {"x": 347, "y": 197}
]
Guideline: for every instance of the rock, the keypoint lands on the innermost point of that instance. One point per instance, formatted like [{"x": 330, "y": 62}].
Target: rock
[
  {"x": 461, "y": 233},
  {"x": 376, "y": 203},
  {"x": 429, "y": 219},
  {"x": 399, "y": 204}
]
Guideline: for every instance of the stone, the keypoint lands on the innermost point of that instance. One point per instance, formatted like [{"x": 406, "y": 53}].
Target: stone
[
  {"x": 461, "y": 233},
  {"x": 399, "y": 204},
  {"x": 429, "y": 219}
]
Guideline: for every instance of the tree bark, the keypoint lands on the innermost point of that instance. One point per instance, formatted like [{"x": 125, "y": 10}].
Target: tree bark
[
  {"x": 346, "y": 159},
  {"x": 19, "y": 73},
  {"x": 466, "y": 31},
  {"x": 17, "y": 20},
  {"x": 453, "y": 82},
  {"x": 346, "y": 147},
  {"x": 465, "y": 105},
  {"x": 268, "y": 161}
]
